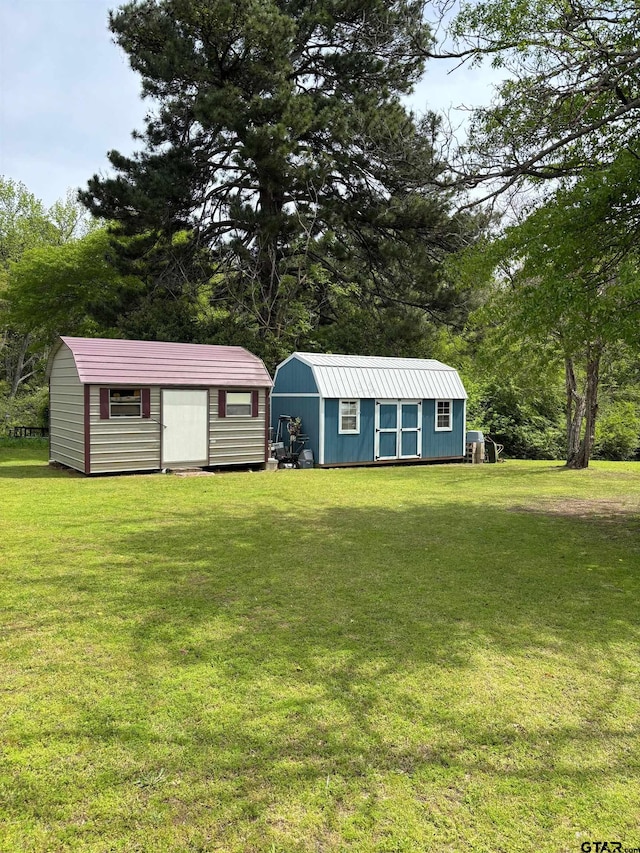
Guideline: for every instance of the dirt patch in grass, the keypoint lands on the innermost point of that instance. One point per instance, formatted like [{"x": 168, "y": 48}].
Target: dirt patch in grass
[
  {"x": 191, "y": 472},
  {"x": 601, "y": 509}
]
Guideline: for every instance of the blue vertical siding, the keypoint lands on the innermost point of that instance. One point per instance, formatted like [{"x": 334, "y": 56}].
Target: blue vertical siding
[
  {"x": 435, "y": 444},
  {"x": 388, "y": 415},
  {"x": 409, "y": 444},
  {"x": 295, "y": 378},
  {"x": 361, "y": 448},
  {"x": 305, "y": 408},
  {"x": 409, "y": 415},
  {"x": 388, "y": 445},
  {"x": 349, "y": 448}
]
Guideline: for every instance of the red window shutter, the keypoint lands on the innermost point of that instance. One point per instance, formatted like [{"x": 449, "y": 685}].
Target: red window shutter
[
  {"x": 222, "y": 404},
  {"x": 254, "y": 404},
  {"x": 146, "y": 402},
  {"x": 104, "y": 404}
]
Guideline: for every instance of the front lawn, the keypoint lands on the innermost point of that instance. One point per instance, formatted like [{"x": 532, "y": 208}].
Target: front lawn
[{"x": 392, "y": 659}]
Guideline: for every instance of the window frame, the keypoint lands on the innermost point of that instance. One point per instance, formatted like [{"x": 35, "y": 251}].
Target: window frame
[
  {"x": 448, "y": 428},
  {"x": 341, "y": 415},
  {"x": 120, "y": 389},
  {"x": 248, "y": 404},
  {"x": 254, "y": 411}
]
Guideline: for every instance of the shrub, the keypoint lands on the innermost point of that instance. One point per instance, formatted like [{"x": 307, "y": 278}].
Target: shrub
[
  {"x": 528, "y": 424},
  {"x": 618, "y": 431},
  {"x": 30, "y": 408}
]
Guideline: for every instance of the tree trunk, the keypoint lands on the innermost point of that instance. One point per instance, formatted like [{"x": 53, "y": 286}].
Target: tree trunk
[
  {"x": 583, "y": 455},
  {"x": 575, "y": 413},
  {"x": 19, "y": 366},
  {"x": 271, "y": 204}
]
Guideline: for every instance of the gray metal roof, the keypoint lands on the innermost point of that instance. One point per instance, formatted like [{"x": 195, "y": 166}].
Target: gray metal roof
[{"x": 383, "y": 378}]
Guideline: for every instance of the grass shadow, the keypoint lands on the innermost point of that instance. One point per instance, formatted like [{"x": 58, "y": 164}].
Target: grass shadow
[{"x": 339, "y": 669}]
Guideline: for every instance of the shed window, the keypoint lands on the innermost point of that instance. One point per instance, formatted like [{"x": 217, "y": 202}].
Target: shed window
[
  {"x": 238, "y": 403},
  {"x": 443, "y": 415},
  {"x": 125, "y": 403},
  {"x": 349, "y": 417}
]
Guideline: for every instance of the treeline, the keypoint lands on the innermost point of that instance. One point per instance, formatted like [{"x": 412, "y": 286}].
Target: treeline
[{"x": 284, "y": 198}]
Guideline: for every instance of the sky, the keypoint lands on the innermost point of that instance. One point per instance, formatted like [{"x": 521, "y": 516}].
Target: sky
[{"x": 68, "y": 96}]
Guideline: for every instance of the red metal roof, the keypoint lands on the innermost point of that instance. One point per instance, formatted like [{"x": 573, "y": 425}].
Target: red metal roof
[{"x": 102, "y": 361}]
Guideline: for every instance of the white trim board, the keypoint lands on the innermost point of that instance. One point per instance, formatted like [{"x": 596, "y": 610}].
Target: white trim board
[
  {"x": 284, "y": 394},
  {"x": 321, "y": 430}
]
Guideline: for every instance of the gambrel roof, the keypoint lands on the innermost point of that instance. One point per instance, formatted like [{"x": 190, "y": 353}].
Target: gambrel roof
[
  {"x": 363, "y": 376},
  {"x": 108, "y": 361}
]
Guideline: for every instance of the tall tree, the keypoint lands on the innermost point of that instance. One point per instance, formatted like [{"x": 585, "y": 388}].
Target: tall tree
[
  {"x": 68, "y": 288},
  {"x": 570, "y": 97},
  {"x": 280, "y": 143},
  {"x": 573, "y": 286},
  {"x": 563, "y": 127},
  {"x": 27, "y": 226},
  {"x": 24, "y": 223}
]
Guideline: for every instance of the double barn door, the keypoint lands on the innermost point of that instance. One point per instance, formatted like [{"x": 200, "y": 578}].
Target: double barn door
[{"x": 398, "y": 429}]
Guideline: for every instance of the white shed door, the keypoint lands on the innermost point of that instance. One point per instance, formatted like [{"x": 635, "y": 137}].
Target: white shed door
[
  {"x": 185, "y": 421},
  {"x": 398, "y": 429}
]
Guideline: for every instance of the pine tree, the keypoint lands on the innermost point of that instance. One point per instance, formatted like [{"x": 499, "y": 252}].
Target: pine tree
[{"x": 279, "y": 142}]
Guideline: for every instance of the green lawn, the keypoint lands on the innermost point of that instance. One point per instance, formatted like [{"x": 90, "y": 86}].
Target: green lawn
[{"x": 396, "y": 659}]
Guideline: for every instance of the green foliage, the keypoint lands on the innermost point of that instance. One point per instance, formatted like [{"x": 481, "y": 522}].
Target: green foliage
[
  {"x": 528, "y": 423},
  {"x": 376, "y": 330},
  {"x": 71, "y": 219},
  {"x": 575, "y": 263},
  {"x": 515, "y": 384},
  {"x": 568, "y": 101},
  {"x": 29, "y": 408},
  {"x": 61, "y": 289},
  {"x": 24, "y": 222},
  {"x": 36, "y": 246},
  {"x": 281, "y": 145},
  {"x": 563, "y": 126},
  {"x": 618, "y": 433},
  {"x": 566, "y": 289}
]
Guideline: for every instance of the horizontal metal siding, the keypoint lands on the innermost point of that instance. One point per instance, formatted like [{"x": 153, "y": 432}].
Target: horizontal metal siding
[
  {"x": 294, "y": 377},
  {"x": 66, "y": 411},
  {"x": 349, "y": 448},
  {"x": 305, "y": 408},
  {"x": 124, "y": 444},
  {"x": 237, "y": 440},
  {"x": 442, "y": 444}
]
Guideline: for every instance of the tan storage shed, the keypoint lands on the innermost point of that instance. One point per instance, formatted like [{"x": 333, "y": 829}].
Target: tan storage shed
[{"x": 120, "y": 406}]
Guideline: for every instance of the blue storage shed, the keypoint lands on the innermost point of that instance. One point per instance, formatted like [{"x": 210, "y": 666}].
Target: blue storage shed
[{"x": 367, "y": 409}]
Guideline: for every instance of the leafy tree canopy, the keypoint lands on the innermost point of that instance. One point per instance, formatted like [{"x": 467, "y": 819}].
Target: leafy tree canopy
[
  {"x": 573, "y": 274},
  {"x": 570, "y": 283},
  {"x": 25, "y": 226},
  {"x": 279, "y": 141},
  {"x": 65, "y": 289},
  {"x": 24, "y": 222},
  {"x": 565, "y": 122},
  {"x": 570, "y": 99}
]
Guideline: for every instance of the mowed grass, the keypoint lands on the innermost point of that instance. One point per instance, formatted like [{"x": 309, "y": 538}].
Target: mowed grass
[{"x": 399, "y": 659}]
